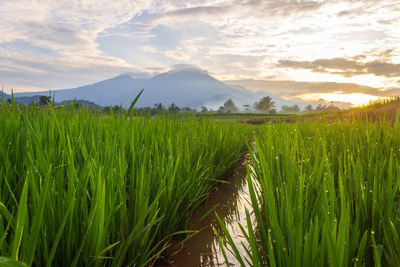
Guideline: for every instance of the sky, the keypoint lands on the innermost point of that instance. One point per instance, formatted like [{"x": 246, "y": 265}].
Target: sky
[{"x": 297, "y": 49}]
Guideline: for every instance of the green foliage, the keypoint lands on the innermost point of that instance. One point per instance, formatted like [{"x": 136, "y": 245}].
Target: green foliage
[
  {"x": 173, "y": 108},
  {"x": 294, "y": 108},
  {"x": 272, "y": 111},
  {"x": 44, "y": 100},
  {"x": 159, "y": 106},
  {"x": 246, "y": 107},
  {"x": 324, "y": 194},
  {"x": 382, "y": 102},
  {"x": 6, "y": 262},
  {"x": 322, "y": 108},
  {"x": 81, "y": 189},
  {"x": 265, "y": 104},
  {"x": 309, "y": 108},
  {"x": 229, "y": 106}
]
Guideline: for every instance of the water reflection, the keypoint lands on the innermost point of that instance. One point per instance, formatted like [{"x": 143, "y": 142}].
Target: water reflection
[{"x": 203, "y": 249}]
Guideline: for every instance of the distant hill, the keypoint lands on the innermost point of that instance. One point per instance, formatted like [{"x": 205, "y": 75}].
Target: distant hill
[
  {"x": 24, "y": 100},
  {"x": 186, "y": 88},
  {"x": 80, "y": 103},
  {"x": 4, "y": 95}
]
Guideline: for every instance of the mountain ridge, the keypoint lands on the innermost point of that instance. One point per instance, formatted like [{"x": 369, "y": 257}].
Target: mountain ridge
[{"x": 185, "y": 88}]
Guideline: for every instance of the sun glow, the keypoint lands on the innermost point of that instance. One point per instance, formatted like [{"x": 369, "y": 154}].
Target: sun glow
[{"x": 356, "y": 99}]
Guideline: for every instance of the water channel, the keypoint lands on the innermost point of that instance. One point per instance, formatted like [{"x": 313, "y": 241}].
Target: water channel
[{"x": 230, "y": 201}]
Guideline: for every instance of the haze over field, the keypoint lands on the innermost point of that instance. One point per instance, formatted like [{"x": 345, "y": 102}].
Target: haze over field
[{"x": 295, "y": 50}]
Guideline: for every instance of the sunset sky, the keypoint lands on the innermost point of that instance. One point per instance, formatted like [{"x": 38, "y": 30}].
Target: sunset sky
[{"x": 335, "y": 50}]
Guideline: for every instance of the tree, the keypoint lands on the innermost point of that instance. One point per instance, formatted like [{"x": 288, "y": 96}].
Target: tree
[
  {"x": 294, "y": 108},
  {"x": 331, "y": 107},
  {"x": 246, "y": 107},
  {"x": 158, "y": 107},
  {"x": 265, "y": 104},
  {"x": 203, "y": 109},
  {"x": 116, "y": 108},
  {"x": 229, "y": 106},
  {"x": 173, "y": 108},
  {"x": 308, "y": 108},
  {"x": 221, "y": 109},
  {"x": 43, "y": 100}
]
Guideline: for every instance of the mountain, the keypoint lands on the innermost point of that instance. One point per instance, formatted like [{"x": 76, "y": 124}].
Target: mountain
[
  {"x": 4, "y": 95},
  {"x": 185, "y": 87}
]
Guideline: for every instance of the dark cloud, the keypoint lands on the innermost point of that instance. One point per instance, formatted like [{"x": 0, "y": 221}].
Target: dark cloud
[{"x": 344, "y": 67}]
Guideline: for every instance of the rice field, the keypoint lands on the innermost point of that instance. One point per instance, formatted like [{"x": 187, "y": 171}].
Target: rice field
[
  {"x": 80, "y": 188},
  {"x": 323, "y": 194}
]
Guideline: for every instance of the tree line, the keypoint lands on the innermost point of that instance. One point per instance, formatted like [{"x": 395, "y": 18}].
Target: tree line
[
  {"x": 264, "y": 105},
  {"x": 158, "y": 108},
  {"x": 267, "y": 105}
]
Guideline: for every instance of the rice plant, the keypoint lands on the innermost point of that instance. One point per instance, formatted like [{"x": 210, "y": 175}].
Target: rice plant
[
  {"x": 79, "y": 188},
  {"x": 324, "y": 194}
]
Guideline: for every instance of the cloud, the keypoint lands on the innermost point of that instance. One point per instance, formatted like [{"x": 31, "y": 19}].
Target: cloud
[
  {"x": 45, "y": 43},
  {"x": 208, "y": 10},
  {"x": 191, "y": 67},
  {"x": 293, "y": 88},
  {"x": 57, "y": 22},
  {"x": 367, "y": 35},
  {"x": 344, "y": 67},
  {"x": 199, "y": 10},
  {"x": 385, "y": 21},
  {"x": 52, "y": 42},
  {"x": 22, "y": 70},
  {"x": 304, "y": 30}
]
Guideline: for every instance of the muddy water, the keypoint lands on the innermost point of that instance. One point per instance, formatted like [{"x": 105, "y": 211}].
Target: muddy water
[{"x": 203, "y": 249}]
